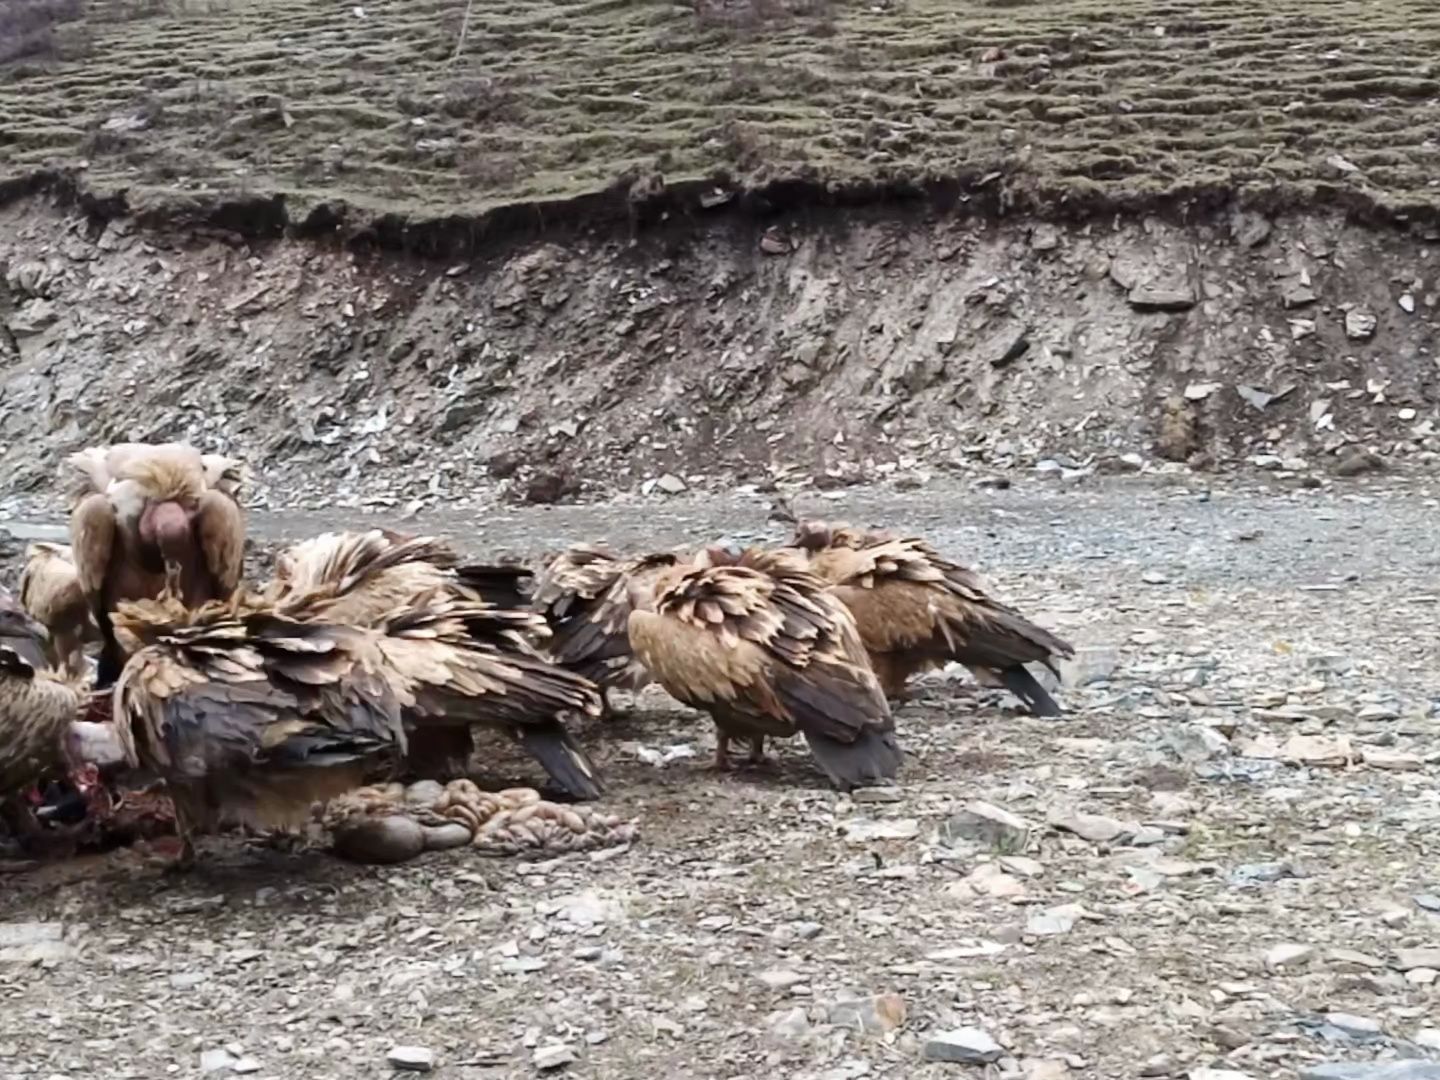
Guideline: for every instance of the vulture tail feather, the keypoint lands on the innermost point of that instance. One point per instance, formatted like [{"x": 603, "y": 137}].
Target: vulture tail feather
[
  {"x": 872, "y": 759},
  {"x": 555, "y": 749},
  {"x": 1027, "y": 688}
]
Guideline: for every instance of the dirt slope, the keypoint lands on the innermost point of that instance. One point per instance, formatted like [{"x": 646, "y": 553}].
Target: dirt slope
[{"x": 814, "y": 345}]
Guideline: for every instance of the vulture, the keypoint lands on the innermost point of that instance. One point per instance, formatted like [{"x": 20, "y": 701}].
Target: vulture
[
  {"x": 251, "y": 715},
  {"x": 360, "y": 579},
  {"x": 38, "y": 706},
  {"x": 758, "y": 642},
  {"x": 150, "y": 518},
  {"x": 917, "y": 610},
  {"x": 586, "y": 595},
  {"x": 50, "y": 592}
]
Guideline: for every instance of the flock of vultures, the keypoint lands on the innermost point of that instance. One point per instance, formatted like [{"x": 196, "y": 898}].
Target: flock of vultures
[{"x": 373, "y": 654}]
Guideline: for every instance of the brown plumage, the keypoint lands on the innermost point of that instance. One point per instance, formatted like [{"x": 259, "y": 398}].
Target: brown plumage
[
  {"x": 917, "y": 610},
  {"x": 586, "y": 595},
  {"x": 361, "y": 579},
  {"x": 251, "y": 716},
  {"x": 50, "y": 591},
  {"x": 152, "y": 517},
  {"x": 759, "y": 643},
  {"x": 37, "y": 709}
]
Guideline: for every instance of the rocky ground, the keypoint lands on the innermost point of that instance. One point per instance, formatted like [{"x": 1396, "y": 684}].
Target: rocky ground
[{"x": 1221, "y": 865}]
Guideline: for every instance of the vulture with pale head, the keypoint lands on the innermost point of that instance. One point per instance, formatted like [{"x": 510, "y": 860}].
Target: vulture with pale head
[
  {"x": 150, "y": 518},
  {"x": 50, "y": 591}
]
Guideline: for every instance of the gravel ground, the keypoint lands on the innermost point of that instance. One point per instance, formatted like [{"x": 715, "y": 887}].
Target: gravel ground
[{"x": 1252, "y": 736}]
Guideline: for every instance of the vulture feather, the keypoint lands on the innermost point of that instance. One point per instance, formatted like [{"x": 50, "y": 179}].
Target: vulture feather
[
  {"x": 759, "y": 643},
  {"x": 362, "y": 579},
  {"x": 586, "y": 595},
  {"x": 917, "y": 610},
  {"x": 50, "y": 591}
]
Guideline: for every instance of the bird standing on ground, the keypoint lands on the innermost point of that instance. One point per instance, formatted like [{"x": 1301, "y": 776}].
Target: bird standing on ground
[
  {"x": 758, "y": 643},
  {"x": 917, "y": 610},
  {"x": 150, "y": 518}
]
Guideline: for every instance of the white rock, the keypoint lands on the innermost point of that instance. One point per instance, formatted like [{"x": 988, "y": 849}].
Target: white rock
[
  {"x": 788, "y": 1024},
  {"x": 411, "y": 1058},
  {"x": 781, "y": 978},
  {"x": 555, "y": 1056},
  {"x": 215, "y": 1060},
  {"x": 1288, "y": 956},
  {"x": 670, "y": 484},
  {"x": 864, "y": 830},
  {"x": 1428, "y": 1038}
]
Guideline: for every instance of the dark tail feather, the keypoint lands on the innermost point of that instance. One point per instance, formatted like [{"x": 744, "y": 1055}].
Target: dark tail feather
[
  {"x": 566, "y": 763},
  {"x": 874, "y": 758},
  {"x": 1027, "y": 688}
]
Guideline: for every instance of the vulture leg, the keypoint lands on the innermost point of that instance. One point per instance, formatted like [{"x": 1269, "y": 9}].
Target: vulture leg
[
  {"x": 220, "y": 529},
  {"x": 92, "y": 540},
  {"x": 722, "y": 751},
  {"x": 757, "y": 751}
]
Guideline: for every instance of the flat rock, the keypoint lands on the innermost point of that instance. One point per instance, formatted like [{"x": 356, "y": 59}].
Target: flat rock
[
  {"x": 554, "y": 1056},
  {"x": 1218, "y": 1074},
  {"x": 983, "y": 823},
  {"x": 781, "y": 978},
  {"x": 1427, "y": 956},
  {"x": 1288, "y": 956},
  {"x": 1096, "y": 828},
  {"x": 216, "y": 1060},
  {"x": 411, "y": 1058},
  {"x": 967, "y": 1046},
  {"x": 865, "y": 830},
  {"x": 33, "y": 942},
  {"x": 671, "y": 484},
  {"x": 1161, "y": 298}
]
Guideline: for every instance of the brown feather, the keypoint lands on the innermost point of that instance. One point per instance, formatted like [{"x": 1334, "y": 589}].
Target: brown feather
[
  {"x": 789, "y": 659},
  {"x": 917, "y": 609}
]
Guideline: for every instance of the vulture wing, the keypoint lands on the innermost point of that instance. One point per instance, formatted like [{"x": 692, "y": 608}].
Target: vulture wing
[
  {"x": 461, "y": 665},
  {"x": 587, "y": 596}
]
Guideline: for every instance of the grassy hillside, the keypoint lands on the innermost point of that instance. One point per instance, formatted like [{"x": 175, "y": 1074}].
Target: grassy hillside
[{"x": 400, "y": 104}]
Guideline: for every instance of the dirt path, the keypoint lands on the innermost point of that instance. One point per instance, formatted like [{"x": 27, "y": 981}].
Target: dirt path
[{"x": 1233, "y": 906}]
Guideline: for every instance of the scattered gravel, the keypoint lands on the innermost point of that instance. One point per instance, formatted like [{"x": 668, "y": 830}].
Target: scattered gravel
[{"x": 1162, "y": 883}]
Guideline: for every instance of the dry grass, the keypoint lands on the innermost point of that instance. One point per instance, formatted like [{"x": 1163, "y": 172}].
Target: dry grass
[
  {"x": 371, "y": 102},
  {"x": 27, "y": 27}
]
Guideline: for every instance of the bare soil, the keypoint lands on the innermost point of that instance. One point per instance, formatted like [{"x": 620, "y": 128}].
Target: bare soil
[{"x": 1213, "y": 627}]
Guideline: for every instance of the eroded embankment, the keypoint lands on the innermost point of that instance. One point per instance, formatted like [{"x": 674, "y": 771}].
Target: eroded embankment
[{"x": 769, "y": 340}]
